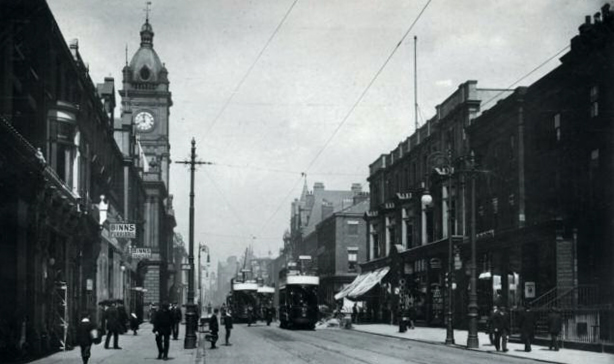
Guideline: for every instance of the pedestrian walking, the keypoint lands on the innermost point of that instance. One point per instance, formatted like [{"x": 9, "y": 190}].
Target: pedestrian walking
[
  {"x": 214, "y": 327},
  {"x": 122, "y": 317},
  {"x": 134, "y": 322},
  {"x": 555, "y": 325},
  {"x": 228, "y": 327},
  {"x": 250, "y": 315},
  {"x": 152, "y": 312},
  {"x": 355, "y": 313},
  {"x": 176, "y": 313},
  {"x": 501, "y": 328},
  {"x": 162, "y": 326},
  {"x": 526, "y": 324},
  {"x": 113, "y": 326},
  {"x": 489, "y": 323},
  {"x": 411, "y": 315},
  {"x": 402, "y": 318},
  {"x": 270, "y": 313},
  {"x": 87, "y": 333}
]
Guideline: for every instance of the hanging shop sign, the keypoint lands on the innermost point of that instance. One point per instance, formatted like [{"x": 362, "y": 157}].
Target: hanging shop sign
[
  {"x": 123, "y": 230},
  {"x": 141, "y": 253}
]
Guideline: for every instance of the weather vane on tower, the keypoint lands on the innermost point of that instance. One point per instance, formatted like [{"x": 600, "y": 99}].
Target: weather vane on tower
[{"x": 147, "y": 10}]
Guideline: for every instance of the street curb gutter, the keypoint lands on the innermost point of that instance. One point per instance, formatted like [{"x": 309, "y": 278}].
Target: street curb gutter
[{"x": 456, "y": 346}]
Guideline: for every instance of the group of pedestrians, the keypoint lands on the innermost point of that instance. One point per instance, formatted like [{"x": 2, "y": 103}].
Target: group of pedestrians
[
  {"x": 114, "y": 322},
  {"x": 499, "y": 323},
  {"x": 214, "y": 326}
]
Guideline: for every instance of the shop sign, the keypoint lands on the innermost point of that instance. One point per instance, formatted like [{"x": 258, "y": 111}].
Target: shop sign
[
  {"x": 435, "y": 263},
  {"x": 122, "y": 230},
  {"x": 458, "y": 264},
  {"x": 141, "y": 253},
  {"x": 529, "y": 289},
  {"x": 89, "y": 284}
]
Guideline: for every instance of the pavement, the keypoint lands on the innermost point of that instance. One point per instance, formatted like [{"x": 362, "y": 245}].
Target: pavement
[
  {"x": 437, "y": 335},
  {"x": 135, "y": 349},
  {"x": 142, "y": 348}
]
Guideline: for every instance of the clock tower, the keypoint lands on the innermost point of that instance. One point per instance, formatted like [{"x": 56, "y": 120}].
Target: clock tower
[{"x": 146, "y": 102}]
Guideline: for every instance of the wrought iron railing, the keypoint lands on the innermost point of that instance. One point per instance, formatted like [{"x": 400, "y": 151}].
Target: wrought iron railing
[
  {"x": 570, "y": 297},
  {"x": 581, "y": 325}
]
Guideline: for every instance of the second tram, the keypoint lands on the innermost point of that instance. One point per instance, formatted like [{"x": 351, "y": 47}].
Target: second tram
[
  {"x": 242, "y": 299},
  {"x": 298, "y": 301}
]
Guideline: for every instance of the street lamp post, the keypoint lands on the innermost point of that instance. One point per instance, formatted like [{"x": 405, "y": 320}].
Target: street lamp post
[
  {"x": 443, "y": 166},
  {"x": 472, "y": 337},
  {"x": 449, "y": 328}
]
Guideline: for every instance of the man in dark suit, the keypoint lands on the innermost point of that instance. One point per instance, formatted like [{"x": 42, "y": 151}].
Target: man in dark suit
[
  {"x": 86, "y": 333},
  {"x": 176, "y": 311},
  {"x": 122, "y": 317},
  {"x": 555, "y": 325},
  {"x": 501, "y": 327},
  {"x": 526, "y": 324},
  {"x": 113, "y": 326},
  {"x": 162, "y": 326},
  {"x": 214, "y": 327},
  {"x": 227, "y": 318}
]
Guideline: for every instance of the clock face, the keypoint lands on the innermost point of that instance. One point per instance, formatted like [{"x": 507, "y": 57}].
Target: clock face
[{"x": 144, "y": 121}]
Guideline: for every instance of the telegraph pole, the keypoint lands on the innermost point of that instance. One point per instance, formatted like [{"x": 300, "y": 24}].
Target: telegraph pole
[{"x": 191, "y": 321}]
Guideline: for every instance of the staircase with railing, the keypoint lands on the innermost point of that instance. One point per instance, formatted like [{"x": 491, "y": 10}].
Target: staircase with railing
[
  {"x": 588, "y": 318},
  {"x": 569, "y": 297}
]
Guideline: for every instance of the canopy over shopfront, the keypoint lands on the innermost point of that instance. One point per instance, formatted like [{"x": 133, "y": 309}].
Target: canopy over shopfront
[{"x": 362, "y": 284}]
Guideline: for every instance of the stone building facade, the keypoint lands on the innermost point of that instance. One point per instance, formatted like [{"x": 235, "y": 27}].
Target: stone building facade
[{"x": 63, "y": 181}]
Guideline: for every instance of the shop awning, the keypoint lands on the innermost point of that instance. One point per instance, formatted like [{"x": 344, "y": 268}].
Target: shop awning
[
  {"x": 347, "y": 289},
  {"x": 362, "y": 284},
  {"x": 369, "y": 282}
]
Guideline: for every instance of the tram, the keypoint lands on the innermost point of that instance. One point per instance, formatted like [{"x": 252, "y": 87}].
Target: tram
[
  {"x": 265, "y": 303},
  {"x": 298, "y": 300},
  {"x": 243, "y": 295}
]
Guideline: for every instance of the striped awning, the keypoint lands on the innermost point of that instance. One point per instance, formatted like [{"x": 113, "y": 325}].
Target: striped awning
[{"x": 362, "y": 284}]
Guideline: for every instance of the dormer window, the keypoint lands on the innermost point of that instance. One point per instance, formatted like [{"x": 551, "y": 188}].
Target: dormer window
[{"x": 145, "y": 73}]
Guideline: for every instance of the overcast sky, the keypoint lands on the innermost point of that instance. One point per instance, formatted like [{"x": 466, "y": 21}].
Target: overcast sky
[{"x": 263, "y": 98}]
